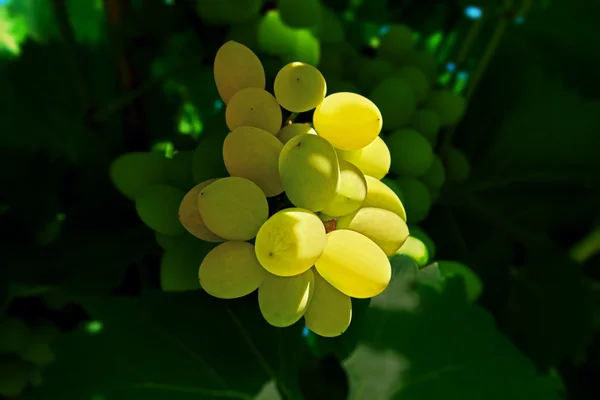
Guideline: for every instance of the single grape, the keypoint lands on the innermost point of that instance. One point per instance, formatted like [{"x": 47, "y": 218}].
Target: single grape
[
  {"x": 417, "y": 199},
  {"x": 457, "y": 165},
  {"x": 354, "y": 264},
  {"x": 427, "y": 123},
  {"x": 233, "y": 208},
  {"x": 38, "y": 353},
  {"x": 473, "y": 284},
  {"x": 14, "y": 375},
  {"x": 190, "y": 217},
  {"x": 14, "y": 334},
  {"x": 449, "y": 106},
  {"x": 131, "y": 173},
  {"x": 422, "y": 60},
  {"x": 207, "y": 162},
  {"x": 374, "y": 159},
  {"x": 417, "y": 80},
  {"x": 284, "y": 300},
  {"x": 394, "y": 186},
  {"x": 415, "y": 249},
  {"x": 372, "y": 71},
  {"x": 307, "y": 49},
  {"x": 309, "y": 171},
  {"x": 383, "y": 227},
  {"x": 435, "y": 176},
  {"x": 158, "y": 208},
  {"x": 254, "y": 107},
  {"x": 396, "y": 43},
  {"x": 330, "y": 311},
  {"x": 396, "y": 100},
  {"x": 348, "y": 121},
  {"x": 180, "y": 173},
  {"x": 236, "y": 67},
  {"x": 300, "y": 13},
  {"x": 253, "y": 153},
  {"x": 179, "y": 265},
  {"x": 417, "y": 232},
  {"x": 231, "y": 270},
  {"x": 291, "y": 130},
  {"x": 351, "y": 192},
  {"x": 168, "y": 241},
  {"x": 299, "y": 87},
  {"x": 290, "y": 242},
  {"x": 412, "y": 154},
  {"x": 379, "y": 195}
]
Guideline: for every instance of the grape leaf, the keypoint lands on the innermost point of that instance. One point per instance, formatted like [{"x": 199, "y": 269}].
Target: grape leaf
[{"x": 176, "y": 346}]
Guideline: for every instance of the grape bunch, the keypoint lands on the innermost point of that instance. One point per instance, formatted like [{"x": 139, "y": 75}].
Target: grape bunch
[{"x": 24, "y": 353}]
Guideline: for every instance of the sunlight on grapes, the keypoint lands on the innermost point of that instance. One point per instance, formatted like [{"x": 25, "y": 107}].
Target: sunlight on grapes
[
  {"x": 320, "y": 163},
  {"x": 303, "y": 303},
  {"x": 94, "y": 327},
  {"x": 13, "y": 31},
  {"x": 433, "y": 42},
  {"x": 167, "y": 148},
  {"x": 189, "y": 121}
]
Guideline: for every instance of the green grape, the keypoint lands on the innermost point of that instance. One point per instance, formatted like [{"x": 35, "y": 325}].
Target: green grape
[
  {"x": 417, "y": 80},
  {"x": 233, "y": 208},
  {"x": 354, "y": 64},
  {"x": 396, "y": 100},
  {"x": 372, "y": 71},
  {"x": 307, "y": 49},
  {"x": 253, "y": 153},
  {"x": 379, "y": 195},
  {"x": 37, "y": 353},
  {"x": 14, "y": 335},
  {"x": 225, "y": 12},
  {"x": 131, "y": 173},
  {"x": 423, "y": 61},
  {"x": 14, "y": 375},
  {"x": 473, "y": 284},
  {"x": 284, "y": 300},
  {"x": 383, "y": 227},
  {"x": 290, "y": 242},
  {"x": 157, "y": 207},
  {"x": 208, "y": 158},
  {"x": 348, "y": 121},
  {"x": 354, "y": 264},
  {"x": 236, "y": 67},
  {"x": 246, "y": 33},
  {"x": 179, "y": 264},
  {"x": 427, "y": 123},
  {"x": 254, "y": 107},
  {"x": 300, "y": 13},
  {"x": 291, "y": 130},
  {"x": 394, "y": 186},
  {"x": 457, "y": 165},
  {"x": 168, "y": 241},
  {"x": 415, "y": 249},
  {"x": 412, "y": 154},
  {"x": 374, "y": 159},
  {"x": 417, "y": 232},
  {"x": 337, "y": 86},
  {"x": 179, "y": 170},
  {"x": 309, "y": 171},
  {"x": 330, "y": 311},
  {"x": 396, "y": 43},
  {"x": 299, "y": 87},
  {"x": 231, "y": 270},
  {"x": 417, "y": 199},
  {"x": 330, "y": 29},
  {"x": 435, "y": 176},
  {"x": 449, "y": 106},
  {"x": 351, "y": 192},
  {"x": 189, "y": 214}
]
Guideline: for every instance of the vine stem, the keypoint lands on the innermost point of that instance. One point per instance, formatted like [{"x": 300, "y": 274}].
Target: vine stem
[{"x": 291, "y": 119}]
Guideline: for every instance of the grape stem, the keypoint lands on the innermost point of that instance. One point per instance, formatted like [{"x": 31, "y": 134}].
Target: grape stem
[{"x": 291, "y": 119}]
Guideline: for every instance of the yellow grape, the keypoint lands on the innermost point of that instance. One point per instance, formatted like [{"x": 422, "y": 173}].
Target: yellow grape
[
  {"x": 379, "y": 195},
  {"x": 412, "y": 154},
  {"x": 415, "y": 249},
  {"x": 373, "y": 160},
  {"x": 330, "y": 311},
  {"x": 231, "y": 270},
  {"x": 291, "y": 130},
  {"x": 14, "y": 334},
  {"x": 309, "y": 171},
  {"x": 131, "y": 173},
  {"x": 427, "y": 123},
  {"x": 417, "y": 198},
  {"x": 396, "y": 43},
  {"x": 417, "y": 80},
  {"x": 179, "y": 264},
  {"x": 351, "y": 192},
  {"x": 354, "y": 264},
  {"x": 14, "y": 374},
  {"x": 284, "y": 300},
  {"x": 233, "y": 208},
  {"x": 300, "y": 13},
  {"x": 396, "y": 100},
  {"x": 38, "y": 353},
  {"x": 385, "y": 228},
  {"x": 157, "y": 207},
  {"x": 236, "y": 67},
  {"x": 449, "y": 106},
  {"x": 299, "y": 87},
  {"x": 254, "y": 107},
  {"x": 348, "y": 121},
  {"x": 190, "y": 217},
  {"x": 253, "y": 153},
  {"x": 417, "y": 232},
  {"x": 290, "y": 242}
]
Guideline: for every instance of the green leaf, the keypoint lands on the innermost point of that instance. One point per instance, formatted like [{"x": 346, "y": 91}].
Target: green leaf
[{"x": 175, "y": 346}]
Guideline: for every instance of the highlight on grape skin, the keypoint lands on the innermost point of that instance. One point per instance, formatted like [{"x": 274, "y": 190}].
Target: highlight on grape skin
[{"x": 299, "y": 87}]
